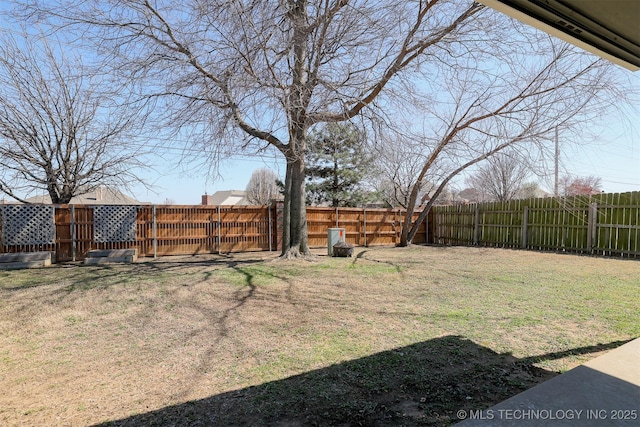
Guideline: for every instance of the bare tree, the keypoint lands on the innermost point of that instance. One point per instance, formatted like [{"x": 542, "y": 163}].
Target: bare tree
[
  {"x": 542, "y": 84},
  {"x": 264, "y": 73},
  {"x": 399, "y": 160},
  {"x": 57, "y": 132},
  {"x": 262, "y": 188},
  {"x": 531, "y": 190},
  {"x": 501, "y": 177}
]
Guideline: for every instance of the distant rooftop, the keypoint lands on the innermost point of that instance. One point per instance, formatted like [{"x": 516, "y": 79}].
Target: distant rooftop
[
  {"x": 100, "y": 196},
  {"x": 226, "y": 198}
]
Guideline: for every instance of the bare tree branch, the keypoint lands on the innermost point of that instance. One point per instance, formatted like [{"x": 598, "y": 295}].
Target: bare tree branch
[{"x": 57, "y": 133}]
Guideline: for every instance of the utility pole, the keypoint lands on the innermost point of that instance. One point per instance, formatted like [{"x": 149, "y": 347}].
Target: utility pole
[{"x": 557, "y": 158}]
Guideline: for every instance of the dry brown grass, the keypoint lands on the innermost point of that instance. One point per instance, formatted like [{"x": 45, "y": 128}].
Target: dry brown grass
[{"x": 393, "y": 336}]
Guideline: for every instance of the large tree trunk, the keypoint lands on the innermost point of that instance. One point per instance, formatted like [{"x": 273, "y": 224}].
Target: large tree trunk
[
  {"x": 405, "y": 237},
  {"x": 297, "y": 243},
  {"x": 298, "y": 100},
  {"x": 286, "y": 212}
]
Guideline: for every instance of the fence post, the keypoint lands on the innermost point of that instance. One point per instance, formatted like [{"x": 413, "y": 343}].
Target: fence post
[
  {"x": 592, "y": 226},
  {"x": 154, "y": 231},
  {"x": 73, "y": 233},
  {"x": 219, "y": 225},
  {"x": 393, "y": 225},
  {"x": 426, "y": 227},
  {"x": 364, "y": 213},
  {"x": 525, "y": 226},
  {"x": 401, "y": 222},
  {"x": 270, "y": 225},
  {"x": 278, "y": 207},
  {"x": 476, "y": 226}
]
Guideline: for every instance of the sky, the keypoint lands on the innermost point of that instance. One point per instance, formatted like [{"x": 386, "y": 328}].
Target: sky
[
  {"x": 614, "y": 157},
  {"x": 616, "y": 160},
  {"x": 179, "y": 185}
]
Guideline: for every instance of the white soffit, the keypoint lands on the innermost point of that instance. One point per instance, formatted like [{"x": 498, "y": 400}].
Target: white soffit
[{"x": 607, "y": 28}]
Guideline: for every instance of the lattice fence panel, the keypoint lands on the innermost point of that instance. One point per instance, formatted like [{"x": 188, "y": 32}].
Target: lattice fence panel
[
  {"x": 28, "y": 225},
  {"x": 114, "y": 223}
]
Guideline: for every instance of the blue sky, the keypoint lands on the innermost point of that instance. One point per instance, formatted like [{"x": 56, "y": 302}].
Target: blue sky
[
  {"x": 614, "y": 157},
  {"x": 186, "y": 187},
  {"x": 616, "y": 161}
]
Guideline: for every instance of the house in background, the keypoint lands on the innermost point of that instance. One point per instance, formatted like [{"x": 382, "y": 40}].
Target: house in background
[
  {"x": 100, "y": 196},
  {"x": 226, "y": 198}
]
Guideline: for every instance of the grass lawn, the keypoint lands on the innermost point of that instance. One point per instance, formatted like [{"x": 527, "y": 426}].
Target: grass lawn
[{"x": 394, "y": 336}]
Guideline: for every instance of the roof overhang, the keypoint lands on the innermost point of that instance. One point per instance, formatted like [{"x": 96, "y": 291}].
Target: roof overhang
[{"x": 609, "y": 29}]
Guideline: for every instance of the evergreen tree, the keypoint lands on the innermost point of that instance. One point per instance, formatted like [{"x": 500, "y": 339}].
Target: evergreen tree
[{"x": 337, "y": 165}]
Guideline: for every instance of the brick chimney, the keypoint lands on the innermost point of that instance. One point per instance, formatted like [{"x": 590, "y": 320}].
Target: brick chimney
[{"x": 206, "y": 199}]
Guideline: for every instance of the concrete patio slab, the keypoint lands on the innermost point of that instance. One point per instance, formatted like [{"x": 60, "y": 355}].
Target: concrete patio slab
[{"x": 604, "y": 391}]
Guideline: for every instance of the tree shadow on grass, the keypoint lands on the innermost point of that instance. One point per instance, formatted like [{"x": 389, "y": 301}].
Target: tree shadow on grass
[
  {"x": 81, "y": 277},
  {"x": 417, "y": 385},
  {"x": 67, "y": 282},
  {"x": 362, "y": 255}
]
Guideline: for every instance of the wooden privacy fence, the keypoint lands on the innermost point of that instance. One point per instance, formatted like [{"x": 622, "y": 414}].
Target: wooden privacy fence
[
  {"x": 363, "y": 227},
  {"x": 602, "y": 224},
  {"x": 187, "y": 230},
  {"x": 162, "y": 230}
]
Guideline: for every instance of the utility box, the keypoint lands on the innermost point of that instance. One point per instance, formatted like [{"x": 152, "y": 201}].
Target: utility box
[{"x": 334, "y": 236}]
